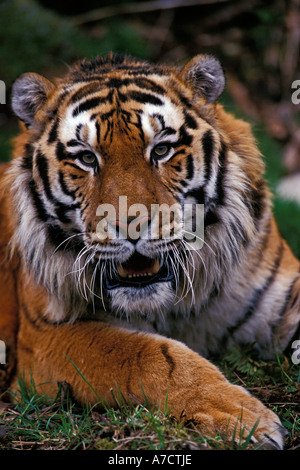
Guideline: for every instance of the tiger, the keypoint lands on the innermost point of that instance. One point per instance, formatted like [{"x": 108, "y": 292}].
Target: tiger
[{"x": 136, "y": 314}]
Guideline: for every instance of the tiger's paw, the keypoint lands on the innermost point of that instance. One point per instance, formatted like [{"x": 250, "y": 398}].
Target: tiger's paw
[{"x": 240, "y": 419}]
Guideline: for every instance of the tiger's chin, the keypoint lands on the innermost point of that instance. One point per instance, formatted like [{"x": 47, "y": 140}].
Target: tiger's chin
[{"x": 147, "y": 301}]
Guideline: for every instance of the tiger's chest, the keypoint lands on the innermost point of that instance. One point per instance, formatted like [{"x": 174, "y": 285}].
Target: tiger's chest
[{"x": 209, "y": 331}]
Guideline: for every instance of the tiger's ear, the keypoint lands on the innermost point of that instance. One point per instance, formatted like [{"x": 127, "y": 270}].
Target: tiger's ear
[
  {"x": 29, "y": 92},
  {"x": 205, "y": 76}
]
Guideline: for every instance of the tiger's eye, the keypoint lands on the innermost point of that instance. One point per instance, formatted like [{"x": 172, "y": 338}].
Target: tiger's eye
[
  {"x": 161, "y": 150},
  {"x": 88, "y": 158}
]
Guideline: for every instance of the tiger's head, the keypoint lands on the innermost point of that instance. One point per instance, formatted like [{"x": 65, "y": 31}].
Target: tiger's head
[{"x": 102, "y": 150}]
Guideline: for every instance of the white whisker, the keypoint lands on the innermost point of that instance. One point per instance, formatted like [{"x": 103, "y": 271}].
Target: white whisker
[
  {"x": 66, "y": 240},
  {"x": 200, "y": 239}
]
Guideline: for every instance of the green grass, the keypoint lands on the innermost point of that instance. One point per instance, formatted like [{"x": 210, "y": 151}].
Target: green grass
[
  {"x": 276, "y": 383},
  {"x": 36, "y": 422}
]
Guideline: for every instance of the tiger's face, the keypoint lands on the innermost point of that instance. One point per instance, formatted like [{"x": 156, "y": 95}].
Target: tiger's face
[{"x": 118, "y": 132}]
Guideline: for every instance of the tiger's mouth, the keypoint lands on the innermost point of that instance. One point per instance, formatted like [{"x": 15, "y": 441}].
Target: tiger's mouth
[{"x": 139, "y": 271}]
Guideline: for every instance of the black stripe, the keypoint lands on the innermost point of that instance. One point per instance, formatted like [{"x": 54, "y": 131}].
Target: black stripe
[
  {"x": 57, "y": 236},
  {"x": 175, "y": 154},
  {"x": 86, "y": 90},
  {"x": 263, "y": 242},
  {"x": 61, "y": 153},
  {"x": 28, "y": 158},
  {"x": 86, "y": 105},
  {"x": 165, "y": 351},
  {"x": 60, "y": 239},
  {"x": 168, "y": 131},
  {"x": 145, "y": 98},
  {"x": 208, "y": 148},
  {"x": 178, "y": 189},
  {"x": 257, "y": 296},
  {"x": 126, "y": 122},
  {"x": 83, "y": 209},
  {"x": 139, "y": 126},
  {"x": 98, "y": 131},
  {"x": 208, "y": 145},
  {"x": 288, "y": 298},
  {"x": 148, "y": 84},
  {"x": 38, "y": 203},
  {"x": 190, "y": 167},
  {"x": 92, "y": 103},
  {"x": 221, "y": 174},
  {"x": 190, "y": 121},
  {"x": 105, "y": 116},
  {"x": 109, "y": 130},
  {"x": 42, "y": 166},
  {"x": 35, "y": 322},
  {"x": 185, "y": 138},
  {"x": 75, "y": 177},
  {"x": 61, "y": 212},
  {"x": 64, "y": 187},
  {"x": 74, "y": 166},
  {"x": 116, "y": 83},
  {"x": 123, "y": 97},
  {"x": 198, "y": 194},
  {"x": 78, "y": 131},
  {"x": 211, "y": 218},
  {"x": 288, "y": 306},
  {"x": 53, "y": 133},
  {"x": 60, "y": 208},
  {"x": 73, "y": 143},
  {"x": 183, "y": 99},
  {"x": 258, "y": 201},
  {"x": 161, "y": 119},
  {"x": 177, "y": 167}
]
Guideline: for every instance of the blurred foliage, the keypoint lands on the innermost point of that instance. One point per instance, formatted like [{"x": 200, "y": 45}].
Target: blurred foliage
[
  {"x": 287, "y": 213},
  {"x": 33, "y": 38}
]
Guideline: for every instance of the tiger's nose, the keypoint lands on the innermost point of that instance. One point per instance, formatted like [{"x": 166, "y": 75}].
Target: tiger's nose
[{"x": 133, "y": 228}]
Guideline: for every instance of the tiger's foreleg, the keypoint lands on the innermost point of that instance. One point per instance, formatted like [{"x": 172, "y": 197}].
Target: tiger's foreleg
[{"x": 136, "y": 365}]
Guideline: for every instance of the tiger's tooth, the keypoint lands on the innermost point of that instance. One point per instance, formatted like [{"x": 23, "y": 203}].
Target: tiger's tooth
[
  {"x": 129, "y": 276},
  {"x": 122, "y": 272},
  {"x": 156, "y": 266}
]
